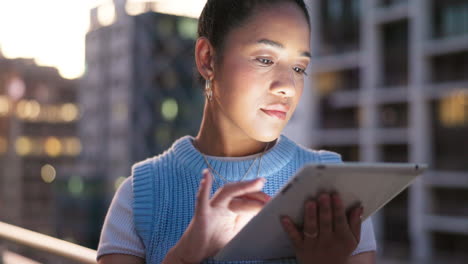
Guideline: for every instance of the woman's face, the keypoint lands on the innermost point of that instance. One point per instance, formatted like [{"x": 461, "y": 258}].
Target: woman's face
[{"x": 260, "y": 79}]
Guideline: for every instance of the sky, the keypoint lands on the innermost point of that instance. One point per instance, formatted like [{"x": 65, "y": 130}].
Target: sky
[{"x": 53, "y": 31}]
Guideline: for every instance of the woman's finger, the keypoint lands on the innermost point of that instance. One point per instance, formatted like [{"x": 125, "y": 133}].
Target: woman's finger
[
  {"x": 340, "y": 223},
  {"x": 325, "y": 217},
  {"x": 355, "y": 222},
  {"x": 259, "y": 196},
  {"x": 203, "y": 195},
  {"x": 229, "y": 191},
  {"x": 310, "y": 222},
  {"x": 245, "y": 205},
  {"x": 292, "y": 232}
]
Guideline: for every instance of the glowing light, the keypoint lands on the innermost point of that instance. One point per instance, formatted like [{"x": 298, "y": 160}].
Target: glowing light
[
  {"x": 3, "y": 145},
  {"x": 48, "y": 173},
  {"x": 28, "y": 109},
  {"x": 118, "y": 182},
  {"x": 4, "y": 105},
  {"x": 75, "y": 185},
  {"x": 169, "y": 109},
  {"x": 34, "y": 109},
  {"x": 23, "y": 146},
  {"x": 53, "y": 146},
  {"x": 106, "y": 14},
  {"x": 72, "y": 146},
  {"x": 16, "y": 88},
  {"x": 69, "y": 112},
  {"x": 188, "y": 28},
  {"x": 134, "y": 8},
  {"x": 453, "y": 109},
  {"x": 327, "y": 82}
]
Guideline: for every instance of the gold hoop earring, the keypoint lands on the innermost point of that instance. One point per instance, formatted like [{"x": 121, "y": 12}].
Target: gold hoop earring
[{"x": 208, "y": 90}]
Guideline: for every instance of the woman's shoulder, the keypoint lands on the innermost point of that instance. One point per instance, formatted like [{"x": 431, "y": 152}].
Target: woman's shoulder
[{"x": 165, "y": 157}]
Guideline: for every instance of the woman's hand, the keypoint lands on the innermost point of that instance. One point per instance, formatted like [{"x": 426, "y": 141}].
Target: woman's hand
[
  {"x": 218, "y": 220},
  {"x": 328, "y": 236}
]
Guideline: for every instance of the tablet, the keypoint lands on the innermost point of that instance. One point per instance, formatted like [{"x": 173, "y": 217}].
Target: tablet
[{"x": 371, "y": 184}]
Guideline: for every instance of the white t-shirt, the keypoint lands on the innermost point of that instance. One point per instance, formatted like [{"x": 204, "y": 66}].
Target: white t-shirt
[{"x": 119, "y": 236}]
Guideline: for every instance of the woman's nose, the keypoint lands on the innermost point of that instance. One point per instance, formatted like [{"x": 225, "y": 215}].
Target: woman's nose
[{"x": 284, "y": 83}]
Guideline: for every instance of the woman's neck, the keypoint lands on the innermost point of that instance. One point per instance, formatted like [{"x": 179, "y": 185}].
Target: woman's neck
[{"x": 218, "y": 137}]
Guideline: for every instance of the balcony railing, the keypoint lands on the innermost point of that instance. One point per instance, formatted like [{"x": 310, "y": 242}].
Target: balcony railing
[{"x": 45, "y": 243}]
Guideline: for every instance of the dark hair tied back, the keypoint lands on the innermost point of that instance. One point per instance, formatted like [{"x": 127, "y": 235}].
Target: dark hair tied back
[{"x": 219, "y": 17}]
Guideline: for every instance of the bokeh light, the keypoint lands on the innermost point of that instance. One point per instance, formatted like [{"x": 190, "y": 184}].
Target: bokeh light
[
  {"x": 53, "y": 146},
  {"x": 106, "y": 13},
  {"x": 48, "y": 173},
  {"x": 4, "y": 105},
  {"x": 16, "y": 88},
  {"x": 118, "y": 182},
  {"x": 75, "y": 185},
  {"x": 69, "y": 112},
  {"x": 23, "y": 146},
  {"x": 169, "y": 109},
  {"x": 72, "y": 146}
]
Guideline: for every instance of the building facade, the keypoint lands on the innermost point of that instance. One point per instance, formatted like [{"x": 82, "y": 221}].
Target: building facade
[
  {"x": 390, "y": 83},
  {"x": 139, "y": 92},
  {"x": 38, "y": 144}
]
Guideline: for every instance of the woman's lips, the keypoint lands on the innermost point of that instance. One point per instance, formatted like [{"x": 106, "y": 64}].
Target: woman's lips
[{"x": 278, "y": 114}]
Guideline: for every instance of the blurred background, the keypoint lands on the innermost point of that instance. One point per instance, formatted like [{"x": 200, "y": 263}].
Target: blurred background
[{"x": 87, "y": 88}]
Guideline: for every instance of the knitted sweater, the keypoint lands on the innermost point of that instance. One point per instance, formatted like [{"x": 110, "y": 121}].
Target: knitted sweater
[{"x": 165, "y": 187}]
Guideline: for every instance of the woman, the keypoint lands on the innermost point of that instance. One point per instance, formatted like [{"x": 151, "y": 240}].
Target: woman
[{"x": 252, "y": 55}]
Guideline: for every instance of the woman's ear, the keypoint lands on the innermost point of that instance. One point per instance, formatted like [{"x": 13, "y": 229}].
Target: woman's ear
[{"x": 204, "y": 58}]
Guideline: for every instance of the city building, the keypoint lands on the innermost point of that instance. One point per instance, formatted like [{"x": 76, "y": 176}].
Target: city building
[
  {"x": 389, "y": 82},
  {"x": 139, "y": 92},
  {"x": 38, "y": 144}
]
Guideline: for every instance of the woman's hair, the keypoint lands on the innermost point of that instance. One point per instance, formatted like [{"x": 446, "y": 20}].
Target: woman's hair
[{"x": 219, "y": 17}]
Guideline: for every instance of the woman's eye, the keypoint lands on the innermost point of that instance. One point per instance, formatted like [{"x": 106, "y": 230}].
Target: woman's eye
[
  {"x": 265, "y": 61},
  {"x": 300, "y": 70}
]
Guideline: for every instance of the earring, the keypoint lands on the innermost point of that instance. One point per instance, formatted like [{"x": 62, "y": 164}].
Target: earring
[{"x": 208, "y": 91}]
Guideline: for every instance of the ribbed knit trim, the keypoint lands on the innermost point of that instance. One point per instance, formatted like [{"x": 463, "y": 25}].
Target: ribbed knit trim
[
  {"x": 273, "y": 160},
  {"x": 144, "y": 188}
]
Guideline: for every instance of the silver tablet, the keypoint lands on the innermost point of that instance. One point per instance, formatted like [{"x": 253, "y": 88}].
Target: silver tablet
[{"x": 371, "y": 184}]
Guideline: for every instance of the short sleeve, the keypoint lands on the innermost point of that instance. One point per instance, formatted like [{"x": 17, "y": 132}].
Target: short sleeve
[
  {"x": 367, "y": 242},
  {"x": 118, "y": 235}
]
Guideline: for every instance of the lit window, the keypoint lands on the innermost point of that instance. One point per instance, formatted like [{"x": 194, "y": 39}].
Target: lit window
[
  {"x": 23, "y": 146},
  {"x": 53, "y": 146}
]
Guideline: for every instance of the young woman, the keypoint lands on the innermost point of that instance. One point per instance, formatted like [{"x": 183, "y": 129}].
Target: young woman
[{"x": 252, "y": 55}]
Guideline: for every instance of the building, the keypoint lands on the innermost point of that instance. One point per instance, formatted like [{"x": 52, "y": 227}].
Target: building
[
  {"x": 38, "y": 144},
  {"x": 139, "y": 92},
  {"x": 390, "y": 83}
]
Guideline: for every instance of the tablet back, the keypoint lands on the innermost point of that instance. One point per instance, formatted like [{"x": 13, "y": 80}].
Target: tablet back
[{"x": 371, "y": 184}]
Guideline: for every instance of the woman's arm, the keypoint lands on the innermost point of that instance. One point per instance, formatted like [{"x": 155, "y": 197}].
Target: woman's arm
[
  {"x": 120, "y": 259},
  {"x": 362, "y": 258}
]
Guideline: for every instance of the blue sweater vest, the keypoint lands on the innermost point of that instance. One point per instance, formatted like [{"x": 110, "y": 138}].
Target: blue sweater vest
[{"x": 165, "y": 188}]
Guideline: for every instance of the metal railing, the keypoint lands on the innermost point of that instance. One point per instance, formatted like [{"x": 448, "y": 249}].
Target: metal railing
[{"x": 47, "y": 244}]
